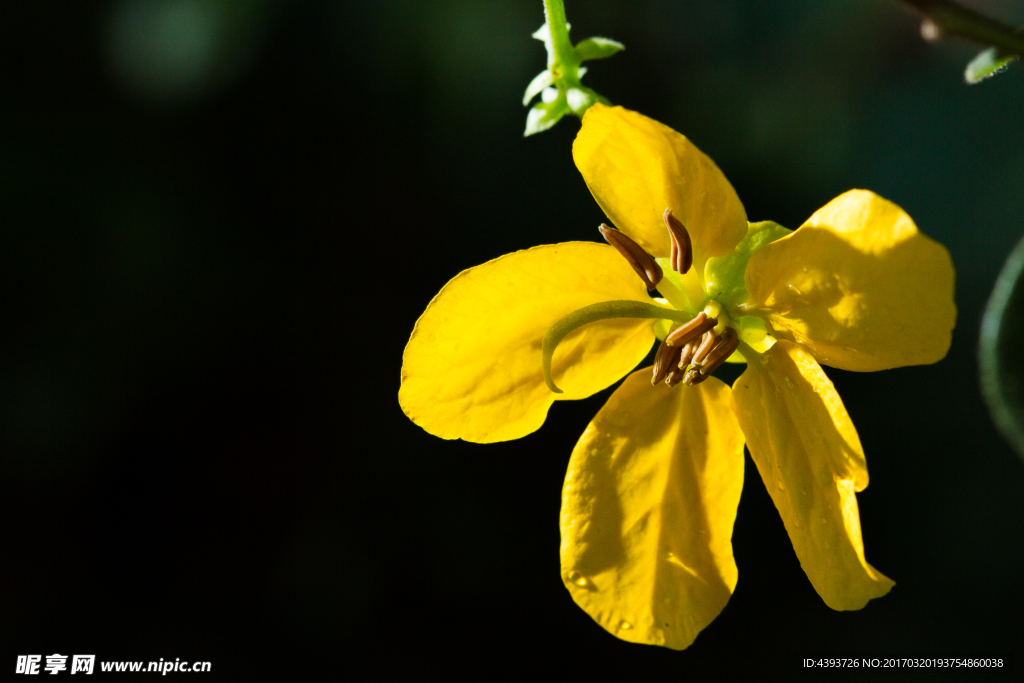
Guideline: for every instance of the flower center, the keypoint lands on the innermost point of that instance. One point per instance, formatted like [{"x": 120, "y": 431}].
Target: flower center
[
  {"x": 693, "y": 350},
  {"x": 698, "y": 343}
]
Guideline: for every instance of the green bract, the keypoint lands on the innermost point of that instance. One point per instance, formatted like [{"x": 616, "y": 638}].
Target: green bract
[{"x": 559, "y": 85}]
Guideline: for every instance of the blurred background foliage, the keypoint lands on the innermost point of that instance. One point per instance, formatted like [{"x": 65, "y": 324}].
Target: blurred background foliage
[{"x": 220, "y": 220}]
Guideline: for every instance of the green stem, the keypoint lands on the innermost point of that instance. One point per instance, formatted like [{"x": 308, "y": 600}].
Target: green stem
[
  {"x": 955, "y": 20},
  {"x": 554, "y": 12},
  {"x": 997, "y": 383}
]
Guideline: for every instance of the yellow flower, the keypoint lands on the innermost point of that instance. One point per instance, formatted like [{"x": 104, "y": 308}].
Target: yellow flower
[{"x": 653, "y": 484}]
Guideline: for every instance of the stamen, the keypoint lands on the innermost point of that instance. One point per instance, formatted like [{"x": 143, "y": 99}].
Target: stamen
[
  {"x": 686, "y": 355},
  {"x": 682, "y": 250},
  {"x": 730, "y": 341},
  {"x": 664, "y": 360},
  {"x": 642, "y": 262},
  {"x": 727, "y": 344},
  {"x": 693, "y": 377},
  {"x": 691, "y": 330},
  {"x": 706, "y": 344},
  {"x": 675, "y": 376}
]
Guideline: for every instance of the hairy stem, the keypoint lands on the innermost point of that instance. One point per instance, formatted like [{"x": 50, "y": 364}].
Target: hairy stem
[{"x": 554, "y": 12}]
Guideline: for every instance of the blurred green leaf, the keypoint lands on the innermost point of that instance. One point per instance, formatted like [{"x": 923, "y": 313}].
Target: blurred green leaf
[
  {"x": 987, "y": 64},
  {"x": 1001, "y": 351},
  {"x": 543, "y": 115},
  {"x": 597, "y": 48}
]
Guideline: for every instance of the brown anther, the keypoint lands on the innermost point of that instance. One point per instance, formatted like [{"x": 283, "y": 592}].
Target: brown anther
[
  {"x": 642, "y": 262},
  {"x": 706, "y": 344},
  {"x": 725, "y": 348},
  {"x": 664, "y": 360},
  {"x": 727, "y": 343},
  {"x": 675, "y": 376},
  {"x": 686, "y": 355},
  {"x": 691, "y": 330},
  {"x": 681, "y": 256},
  {"x": 694, "y": 377}
]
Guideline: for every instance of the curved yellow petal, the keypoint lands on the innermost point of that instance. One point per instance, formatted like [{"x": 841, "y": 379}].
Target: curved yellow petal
[
  {"x": 647, "y": 511},
  {"x": 810, "y": 458},
  {"x": 472, "y": 368},
  {"x": 859, "y": 286},
  {"x": 636, "y": 168}
]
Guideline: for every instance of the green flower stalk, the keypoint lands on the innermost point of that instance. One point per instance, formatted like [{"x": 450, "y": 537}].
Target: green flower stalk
[{"x": 559, "y": 85}]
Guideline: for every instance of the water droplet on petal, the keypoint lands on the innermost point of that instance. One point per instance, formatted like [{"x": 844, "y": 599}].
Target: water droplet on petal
[
  {"x": 578, "y": 579},
  {"x": 625, "y": 625},
  {"x": 778, "y": 482}
]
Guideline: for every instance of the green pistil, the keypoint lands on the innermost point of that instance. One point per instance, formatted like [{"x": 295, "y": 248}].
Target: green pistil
[{"x": 605, "y": 310}]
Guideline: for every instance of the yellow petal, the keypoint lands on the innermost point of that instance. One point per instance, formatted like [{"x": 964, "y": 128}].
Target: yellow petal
[
  {"x": 808, "y": 453},
  {"x": 472, "y": 368},
  {"x": 648, "y": 508},
  {"x": 859, "y": 286},
  {"x": 636, "y": 168}
]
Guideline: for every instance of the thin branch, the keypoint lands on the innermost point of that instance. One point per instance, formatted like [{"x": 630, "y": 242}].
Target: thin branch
[{"x": 953, "y": 19}]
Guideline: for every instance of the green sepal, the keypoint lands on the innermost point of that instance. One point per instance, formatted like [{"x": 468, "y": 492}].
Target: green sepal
[
  {"x": 597, "y": 48},
  {"x": 582, "y": 98},
  {"x": 999, "y": 351},
  {"x": 562, "y": 78},
  {"x": 543, "y": 115},
  {"x": 537, "y": 85},
  {"x": 605, "y": 310},
  {"x": 724, "y": 275},
  {"x": 987, "y": 64}
]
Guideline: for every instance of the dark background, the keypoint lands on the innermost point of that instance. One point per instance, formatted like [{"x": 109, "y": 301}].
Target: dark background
[{"x": 220, "y": 220}]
